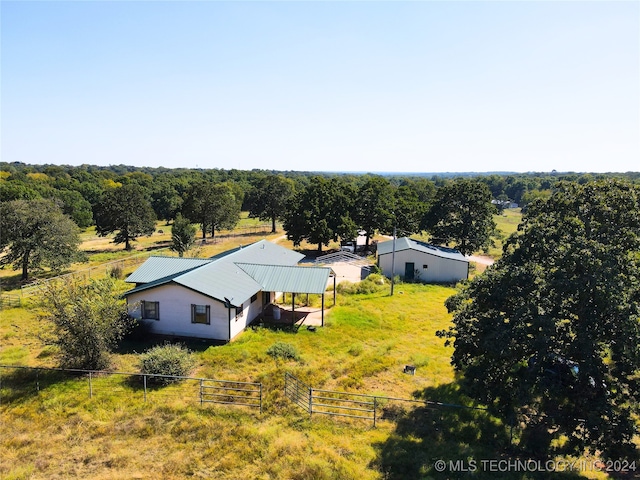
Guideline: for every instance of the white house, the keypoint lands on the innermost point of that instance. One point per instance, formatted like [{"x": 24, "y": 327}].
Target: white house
[
  {"x": 218, "y": 297},
  {"x": 420, "y": 261}
]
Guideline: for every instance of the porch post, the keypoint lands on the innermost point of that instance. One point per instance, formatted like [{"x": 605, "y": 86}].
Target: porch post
[
  {"x": 293, "y": 308},
  {"x": 322, "y": 314},
  {"x": 334, "y": 290}
]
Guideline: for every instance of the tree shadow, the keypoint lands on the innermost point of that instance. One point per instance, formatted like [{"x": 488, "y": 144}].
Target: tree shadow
[
  {"x": 18, "y": 385},
  {"x": 451, "y": 441}
]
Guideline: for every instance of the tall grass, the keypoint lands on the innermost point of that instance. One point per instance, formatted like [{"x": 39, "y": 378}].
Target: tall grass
[{"x": 60, "y": 432}]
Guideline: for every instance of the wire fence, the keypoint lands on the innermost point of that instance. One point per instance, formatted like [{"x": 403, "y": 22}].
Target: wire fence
[
  {"x": 10, "y": 301},
  {"x": 17, "y": 382},
  {"x": 114, "y": 267}
]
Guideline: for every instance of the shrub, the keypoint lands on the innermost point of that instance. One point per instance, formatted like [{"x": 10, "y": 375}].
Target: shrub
[
  {"x": 166, "y": 360},
  {"x": 284, "y": 351},
  {"x": 372, "y": 284},
  {"x": 86, "y": 319},
  {"x": 116, "y": 271}
]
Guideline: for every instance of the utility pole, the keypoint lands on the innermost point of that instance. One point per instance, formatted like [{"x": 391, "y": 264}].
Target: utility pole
[{"x": 393, "y": 258}]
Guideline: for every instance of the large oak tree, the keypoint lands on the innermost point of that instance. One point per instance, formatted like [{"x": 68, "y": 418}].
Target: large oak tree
[
  {"x": 127, "y": 211},
  {"x": 462, "y": 215},
  {"x": 271, "y": 199},
  {"x": 549, "y": 337},
  {"x": 322, "y": 212},
  {"x": 36, "y": 234}
]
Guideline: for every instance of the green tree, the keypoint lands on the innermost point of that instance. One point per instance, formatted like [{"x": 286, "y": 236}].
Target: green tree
[
  {"x": 36, "y": 234},
  {"x": 183, "y": 235},
  {"x": 374, "y": 206},
  {"x": 89, "y": 320},
  {"x": 550, "y": 335},
  {"x": 462, "y": 214},
  {"x": 74, "y": 205},
  {"x": 271, "y": 198},
  {"x": 125, "y": 210},
  {"x": 213, "y": 205},
  {"x": 166, "y": 201},
  {"x": 322, "y": 212},
  {"x": 408, "y": 211}
]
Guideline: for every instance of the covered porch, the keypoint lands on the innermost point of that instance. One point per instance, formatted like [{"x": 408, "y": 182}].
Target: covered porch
[{"x": 294, "y": 282}]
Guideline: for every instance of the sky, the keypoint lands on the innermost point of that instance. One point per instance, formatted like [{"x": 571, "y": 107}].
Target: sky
[{"x": 380, "y": 86}]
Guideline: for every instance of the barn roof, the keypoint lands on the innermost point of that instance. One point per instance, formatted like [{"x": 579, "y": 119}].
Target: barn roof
[{"x": 406, "y": 243}]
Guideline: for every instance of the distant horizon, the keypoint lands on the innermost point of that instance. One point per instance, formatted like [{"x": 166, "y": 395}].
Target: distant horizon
[{"x": 337, "y": 172}]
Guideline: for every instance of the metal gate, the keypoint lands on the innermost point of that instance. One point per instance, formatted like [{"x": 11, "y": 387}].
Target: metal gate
[
  {"x": 226, "y": 392},
  {"x": 297, "y": 391},
  {"x": 329, "y": 402}
]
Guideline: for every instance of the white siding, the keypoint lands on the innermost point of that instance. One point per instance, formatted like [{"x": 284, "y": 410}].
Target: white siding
[
  {"x": 438, "y": 269},
  {"x": 175, "y": 313}
]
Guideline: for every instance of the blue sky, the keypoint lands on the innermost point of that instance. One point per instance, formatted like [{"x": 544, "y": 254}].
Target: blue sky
[{"x": 420, "y": 86}]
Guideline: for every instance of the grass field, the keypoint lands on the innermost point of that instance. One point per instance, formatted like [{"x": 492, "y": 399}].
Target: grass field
[{"x": 59, "y": 432}]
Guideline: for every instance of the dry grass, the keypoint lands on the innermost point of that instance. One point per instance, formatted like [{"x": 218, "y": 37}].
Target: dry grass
[{"x": 61, "y": 433}]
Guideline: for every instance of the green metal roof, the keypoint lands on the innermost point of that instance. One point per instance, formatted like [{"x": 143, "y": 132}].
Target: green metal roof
[
  {"x": 155, "y": 268},
  {"x": 288, "y": 278},
  {"x": 406, "y": 243},
  {"x": 222, "y": 276}
]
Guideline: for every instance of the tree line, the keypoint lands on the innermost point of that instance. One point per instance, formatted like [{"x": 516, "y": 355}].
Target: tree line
[{"x": 317, "y": 208}]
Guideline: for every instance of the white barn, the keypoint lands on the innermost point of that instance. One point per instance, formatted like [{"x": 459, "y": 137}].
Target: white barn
[
  {"x": 218, "y": 297},
  {"x": 423, "y": 262}
]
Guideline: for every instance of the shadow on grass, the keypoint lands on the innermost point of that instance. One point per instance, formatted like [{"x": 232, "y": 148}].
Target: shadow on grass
[
  {"x": 140, "y": 344},
  {"x": 21, "y": 384},
  {"x": 445, "y": 442}
]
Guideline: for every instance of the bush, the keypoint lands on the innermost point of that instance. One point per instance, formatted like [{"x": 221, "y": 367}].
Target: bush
[
  {"x": 372, "y": 284},
  {"x": 116, "y": 271},
  {"x": 284, "y": 351},
  {"x": 166, "y": 360}
]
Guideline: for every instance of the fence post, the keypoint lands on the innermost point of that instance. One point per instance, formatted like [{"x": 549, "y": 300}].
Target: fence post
[
  {"x": 90, "y": 387},
  {"x": 201, "y": 400},
  {"x": 261, "y": 398},
  {"x": 37, "y": 380},
  {"x": 310, "y": 402},
  {"x": 145, "y": 387},
  {"x": 375, "y": 405}
]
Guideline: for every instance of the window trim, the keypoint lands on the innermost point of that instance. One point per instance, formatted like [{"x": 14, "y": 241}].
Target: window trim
[
  {"x": 143, "y": 310},
  {"x": 207, "y": 314},
  {"x": 240, "y": 311}
]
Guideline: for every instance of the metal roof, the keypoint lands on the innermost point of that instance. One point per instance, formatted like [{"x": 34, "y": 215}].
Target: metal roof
[
  {"x": 288, "y": 278},
  {"x": 221, "y": 276},
  {"x": 155, "y": 268},
  {"x": 265, "y": 252},
  {"x": 221, "y": 280},
  {"x": 406, "y": 243}
]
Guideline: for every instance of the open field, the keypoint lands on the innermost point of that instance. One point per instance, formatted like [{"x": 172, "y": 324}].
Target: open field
[
  {"x": 102, "y": 250},
  {"x": 61, "y": 433}
]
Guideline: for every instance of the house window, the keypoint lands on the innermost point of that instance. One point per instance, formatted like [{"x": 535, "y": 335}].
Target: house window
[
  {"x": 150, "y": 310},
  {"x": 201, "y": 314},
  {"x": 254, "y": 298},
  {"x": 240, "y": 311},
  {"x": 424, "y": 267}
]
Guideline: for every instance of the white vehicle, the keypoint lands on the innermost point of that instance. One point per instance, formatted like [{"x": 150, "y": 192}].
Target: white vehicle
[{"x": 348, "y": 247}]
